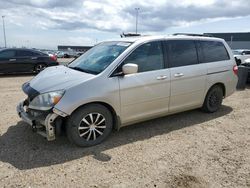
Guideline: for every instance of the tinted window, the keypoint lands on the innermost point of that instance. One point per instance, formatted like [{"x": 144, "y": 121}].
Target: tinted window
[
  {"x": 37, "y": 54},
  {"x": 148, "y": 57},
  {"x": 24, "y": 53},
  {"x": 6, "y": 54},
  {"x": 182, "y": 53},
  {"x": 213, "y": 51}
]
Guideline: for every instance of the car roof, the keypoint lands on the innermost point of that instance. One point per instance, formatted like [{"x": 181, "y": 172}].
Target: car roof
[
  {"x": 21, "y": 49},
  {"x": 31, "y": 50},
  {"x": 166, "y": 37}
]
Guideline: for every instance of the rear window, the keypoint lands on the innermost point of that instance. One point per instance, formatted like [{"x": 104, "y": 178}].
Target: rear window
[
  {"x": 23, "y": 53},
  {"x": 213, "y": 51}
]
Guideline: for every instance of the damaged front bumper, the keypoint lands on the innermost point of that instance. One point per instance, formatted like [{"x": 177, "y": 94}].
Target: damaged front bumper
[{"x": 44, "y": 124}]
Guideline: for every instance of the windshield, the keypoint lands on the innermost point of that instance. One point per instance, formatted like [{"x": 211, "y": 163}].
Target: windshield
[{"x": 98, "y": 58}]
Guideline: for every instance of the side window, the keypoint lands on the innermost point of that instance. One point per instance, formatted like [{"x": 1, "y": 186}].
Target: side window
[
  {"x": 182, "y": 53},
  {"x": 24, "y": 53},
  {"x": 148, "y": 57},
  {"x": 7, "y": 54},
  {"x": 36, "y": 54},
  {"x": 213, "y": 51}
]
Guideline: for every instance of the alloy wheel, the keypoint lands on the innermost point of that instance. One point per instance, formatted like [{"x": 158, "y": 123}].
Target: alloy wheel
[
  {"x": 40, "y": 67},
  {"x": 92, "y": 126}
]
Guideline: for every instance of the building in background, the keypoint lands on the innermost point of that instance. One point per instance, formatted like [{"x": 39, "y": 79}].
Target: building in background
[
  {"x": 73, "y": 48},
  {"x": 235, "y": 40}
]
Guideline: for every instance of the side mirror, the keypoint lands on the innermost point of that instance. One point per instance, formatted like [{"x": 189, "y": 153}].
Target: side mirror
[{"x": 129, "y": 68}]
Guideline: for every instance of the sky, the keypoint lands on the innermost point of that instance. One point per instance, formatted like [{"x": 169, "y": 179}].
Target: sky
[{"x": 48, "y": 23}]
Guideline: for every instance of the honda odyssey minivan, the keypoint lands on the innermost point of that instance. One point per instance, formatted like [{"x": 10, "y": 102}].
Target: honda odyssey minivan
[{"x": 125, "y": 81}]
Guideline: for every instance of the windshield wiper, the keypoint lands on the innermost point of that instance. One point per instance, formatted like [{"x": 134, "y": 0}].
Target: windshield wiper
[{"x": 83, "y": 70}]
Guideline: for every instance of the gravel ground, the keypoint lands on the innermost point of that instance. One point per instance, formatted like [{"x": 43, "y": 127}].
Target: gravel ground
[{"x": 190, "y": 149}]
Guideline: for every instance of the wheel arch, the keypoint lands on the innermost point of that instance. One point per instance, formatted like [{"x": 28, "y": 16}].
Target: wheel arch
[
  {"x": 220, "y": 84},
  {"x": 116, "y": 118}
]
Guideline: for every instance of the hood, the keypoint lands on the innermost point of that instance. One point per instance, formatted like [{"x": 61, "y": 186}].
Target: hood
[{"x": 58, "y": 78}]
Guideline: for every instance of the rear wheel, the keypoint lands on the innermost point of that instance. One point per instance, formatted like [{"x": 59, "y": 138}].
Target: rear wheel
[
  {"x": 40, "y": 67},
  {"x": 89, "y": 125},
  {"x": 213, "y": 99}
]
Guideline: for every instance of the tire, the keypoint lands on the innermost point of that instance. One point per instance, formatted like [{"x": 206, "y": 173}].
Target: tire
[
  {"x": 89, "y": 125},
  {"x": 213, "y": 99},
  {"x": 40, "y": 67}
]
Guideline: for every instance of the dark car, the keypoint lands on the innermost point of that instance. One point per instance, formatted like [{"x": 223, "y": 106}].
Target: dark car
[{"x": 16, "y": 60}]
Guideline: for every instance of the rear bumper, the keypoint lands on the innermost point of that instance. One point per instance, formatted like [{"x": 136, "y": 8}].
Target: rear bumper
[{"x": 45, "y": 127}]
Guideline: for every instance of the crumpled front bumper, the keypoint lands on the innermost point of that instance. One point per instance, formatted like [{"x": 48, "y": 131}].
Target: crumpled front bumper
[{"x": 44, "y": 127}]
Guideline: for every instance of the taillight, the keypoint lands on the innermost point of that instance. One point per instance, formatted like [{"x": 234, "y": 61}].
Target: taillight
[
  {"x": 235, "y": 69},
  {"x": 53, "y": 57}
]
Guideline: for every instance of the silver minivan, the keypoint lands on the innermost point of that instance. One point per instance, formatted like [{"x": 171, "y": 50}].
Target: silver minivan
[{"x": 129, "y": 80}]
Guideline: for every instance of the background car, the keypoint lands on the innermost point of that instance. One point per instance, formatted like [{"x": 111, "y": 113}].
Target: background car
[
  {"x": 79, "y": 54},
  {"x": 16, "y": 60},
  {"x": 60, "y": 54},
  {"x": 247, "y": 64},
  {"x": 70, "y": 54},
  {"x": 241, "y": 55}
]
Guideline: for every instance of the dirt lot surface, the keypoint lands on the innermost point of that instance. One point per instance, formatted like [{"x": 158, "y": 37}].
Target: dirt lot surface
[{"x": 190, "y": 149}]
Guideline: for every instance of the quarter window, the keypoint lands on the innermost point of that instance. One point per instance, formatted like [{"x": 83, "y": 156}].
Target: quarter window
[
  {"x": 182, "y": 53},
  {"x": 213, "y": 51},
  {"x": 148, "y": 57}
]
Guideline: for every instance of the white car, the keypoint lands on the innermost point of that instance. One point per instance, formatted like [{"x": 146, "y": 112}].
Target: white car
[
  {"x": 122, "y": 82},
  {"x": 241, "y": 55}
]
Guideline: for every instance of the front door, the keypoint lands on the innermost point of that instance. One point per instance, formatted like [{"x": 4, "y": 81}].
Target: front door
[{"x": 145, "y": 94}]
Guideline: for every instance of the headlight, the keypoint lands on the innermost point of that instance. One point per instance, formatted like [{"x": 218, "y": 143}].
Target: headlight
[{"x": 46, "y": 101}]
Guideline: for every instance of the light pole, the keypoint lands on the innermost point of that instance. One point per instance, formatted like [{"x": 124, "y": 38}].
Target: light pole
[
  {"x": 232, "y": 41},
  {"x": 4, "y": 32},
  {"x": 136, "y": 19}
]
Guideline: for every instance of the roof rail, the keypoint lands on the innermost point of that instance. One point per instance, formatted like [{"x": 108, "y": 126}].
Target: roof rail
[
  {"x": 193, "y": 34},
  {"x": 124, "y": 35}
]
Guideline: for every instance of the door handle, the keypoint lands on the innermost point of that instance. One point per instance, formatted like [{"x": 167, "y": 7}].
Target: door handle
[
  {"x": 12, "y": 59},
  {"x": 178, "y": 75},
  {"x": 163, "y": 77},
  {"x": 33, "y": 58}
]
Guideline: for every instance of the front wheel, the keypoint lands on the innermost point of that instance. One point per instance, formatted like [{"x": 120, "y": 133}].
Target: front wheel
[
  {"x": 89, "y": 125},
  {"x": 213, "y": 99}
]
